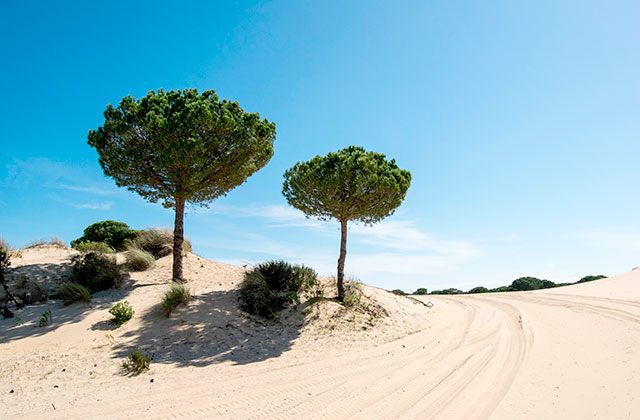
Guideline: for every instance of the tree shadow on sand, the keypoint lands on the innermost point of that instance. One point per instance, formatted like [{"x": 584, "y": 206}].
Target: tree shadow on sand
[
  {"x": 212, "y": 329},
  {"x": 25, "y": 321}
]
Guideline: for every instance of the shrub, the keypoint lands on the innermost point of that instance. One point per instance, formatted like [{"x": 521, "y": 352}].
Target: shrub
[
  {"x": 55, "y": 242},
  {"x": 591, "y": 278},
  {"x": 531, "y": 283},
  {"x": 399, "y": 292},
  {"x": 71, "y": 292},
  {"x": 122, "y": 312},
  {"x": 95, "y": 271},
  {"x": 139, "y": 260},
  {"x": 502, "y": 289},
  {"x": 256, "y": 297},
  {"x": 136, "y": 363},
  {"x": 110, "y": 232},
  {"x": 450, "y": 291},
  {"x": 421, "y": 291},
  {"x": 547, "y": 284},
  {"x": 29, "y": 292},
  {"x": 177, "y": 295},
  {"x": 45, "y": 318},
  {"x": 157, "y": 242},
  {"x": 479, "y": 289},
  {"x": 88, "y": 246},
  {"x": 271, "y": 285}
]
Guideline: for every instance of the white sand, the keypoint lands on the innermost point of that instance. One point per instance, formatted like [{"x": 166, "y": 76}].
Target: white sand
[{"x": 567, "y": 353}]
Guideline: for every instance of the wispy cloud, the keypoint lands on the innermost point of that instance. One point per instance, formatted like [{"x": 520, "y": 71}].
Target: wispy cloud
[
  {"x": 88, "y": 189},
  {"x": 106, "y": 205}
]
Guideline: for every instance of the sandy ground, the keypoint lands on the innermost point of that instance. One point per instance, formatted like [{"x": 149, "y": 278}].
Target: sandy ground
[{"x": 567, "y": 353}]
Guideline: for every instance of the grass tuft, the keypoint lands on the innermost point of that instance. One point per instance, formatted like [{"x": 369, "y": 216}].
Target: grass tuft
[
  {"x": 178, "y": 294},
  {"x": 136, "y": 363},
  {"x": 71, "y": 292},
  {"x": 157, "y": 242},
  {"x": 139, "y": 260}
]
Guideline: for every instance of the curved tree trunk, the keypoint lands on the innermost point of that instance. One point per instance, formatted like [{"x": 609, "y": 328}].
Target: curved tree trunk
[
  {"x": 178, "y": 239},
  {"x": 342, "y": 258}
]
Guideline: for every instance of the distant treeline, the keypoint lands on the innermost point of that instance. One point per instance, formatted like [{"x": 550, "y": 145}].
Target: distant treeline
[{"x": 523, "y": 283}]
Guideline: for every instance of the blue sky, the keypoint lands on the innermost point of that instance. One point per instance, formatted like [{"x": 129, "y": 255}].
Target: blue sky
[{"x": 519, "y": 122}]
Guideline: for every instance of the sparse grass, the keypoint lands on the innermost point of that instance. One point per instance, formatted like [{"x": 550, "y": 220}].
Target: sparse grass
[
  {"x": 95, "y": 271},
  {"x": 139, "y": 260},
  {"x": 178, "y": 294},
  {"x": 352, "y": 294},
  {"x": 54, "y": 242},
  {"x": 136, "y": 363},
  {"x": 122, "y": 312},
  {"x": 157, "y": 242},
  {"x": 71, "y": 292},
  {"x": 89, "y": 246}
]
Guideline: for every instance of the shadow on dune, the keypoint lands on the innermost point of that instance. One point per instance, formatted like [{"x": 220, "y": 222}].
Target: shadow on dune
[
  {"x": 25, "y": 322},
  {"x": 211, "y": 329}
]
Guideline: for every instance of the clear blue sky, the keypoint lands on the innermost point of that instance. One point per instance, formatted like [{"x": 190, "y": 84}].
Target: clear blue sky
[{"x": 520, "y": 122}]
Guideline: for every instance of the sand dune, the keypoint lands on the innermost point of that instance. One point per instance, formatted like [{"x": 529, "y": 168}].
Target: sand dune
[{"x": 567, "y": 353}]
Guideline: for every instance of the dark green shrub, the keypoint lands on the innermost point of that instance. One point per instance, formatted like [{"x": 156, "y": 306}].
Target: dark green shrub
[
  {"x": 157, "y": 242},
  {"x": 451, "y": 291},
  {"x": 88, "y": 246},
  {"x": 502, "y": 289},
  {"x": 136, "y": 363},
  {"x": 591, "y": 278},
  {"x": 139, "y": 260},
  {"x": 421, "y": 291},
  {"x": 530, "y": 283},
  {"x": 95, "y": 271},
  {"x": 547, "y": 284},
  {"x": 45, "y": 318},
  {"x": 178, "y": 294},
  {"x": 271, "y": 285},
  {"x": 71, "y": 292},
  {"x": 122, "y": 312},
  {"x": 256, "y": 297},
  {"x": 110, "y": 232},
  {"x": 479, "y": 289},
  {"x": 399, "y": 292}
]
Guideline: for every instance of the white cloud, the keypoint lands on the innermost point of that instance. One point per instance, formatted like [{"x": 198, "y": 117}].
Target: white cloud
[
  {"x": 88, "y": 189},
  {"x": 106, "y": 205}
]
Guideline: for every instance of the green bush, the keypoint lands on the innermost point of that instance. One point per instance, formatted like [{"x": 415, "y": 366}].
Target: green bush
[
  {"x": 352, "y": 294},
  {"x": 139, "y": 260},
  {"x": 450, "y": 291},
  {"x": 136, "y": 363},
  {"x": 399, "y": 292},
  {"x": 71, "y": 292},
  {"x": 110, "y": 232},
  {"x": 45, "y": 318},
  {"x": 479, "y": 289},
  {"x": 256, "y": 297},
  {"x": 157, "y": 242},
  {"x": 88, "y": 246},
  {"x": 95, "y": 271},
  {"x": 122, "y": 312},
  {"x": 178, "y": 294},
  {"x": 591, "y": 278},
  {"x": 502, "y": 289},
  {"x": 421, "y": 291},
  {"x": 271, "y": 285}
]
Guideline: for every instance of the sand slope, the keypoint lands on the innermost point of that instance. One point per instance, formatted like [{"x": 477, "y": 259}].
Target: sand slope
[{"x": 568, "y": 353}]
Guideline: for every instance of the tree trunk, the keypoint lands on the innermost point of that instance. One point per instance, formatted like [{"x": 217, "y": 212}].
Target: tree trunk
[
  {"x": 178, "y": 239},
  {"x": 342, "y": 258}
]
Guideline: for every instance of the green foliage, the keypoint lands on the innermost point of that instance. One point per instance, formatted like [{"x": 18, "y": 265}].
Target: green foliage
[
  {"x": 450, "y": 291},
  {"x": 157, "y": 242},
  {"x": 531, "y": 283},
  {"x": 45, "y": 318},
  {"x": 479, "y": 289},
  {"x": 271, "y": 285},
  {"x": 139, "y": 260},
  {"x": 399, "y": 292},
  {"x": 95, "y": 271},
  {"x": 351, "y": 184},
  {"x": 591, "y": 278},
  {"x": 178, "y": 294},
  {"x": 71, "y": 292},
  {"x": 122, "y": 312},
  {"x": 421, "y": 291},
  {"x": 502, "y": 289},
  {"x": 88, "y": 246},
  {"x": 112, "y": 233},
  {"x": 136, "y": 363}
]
